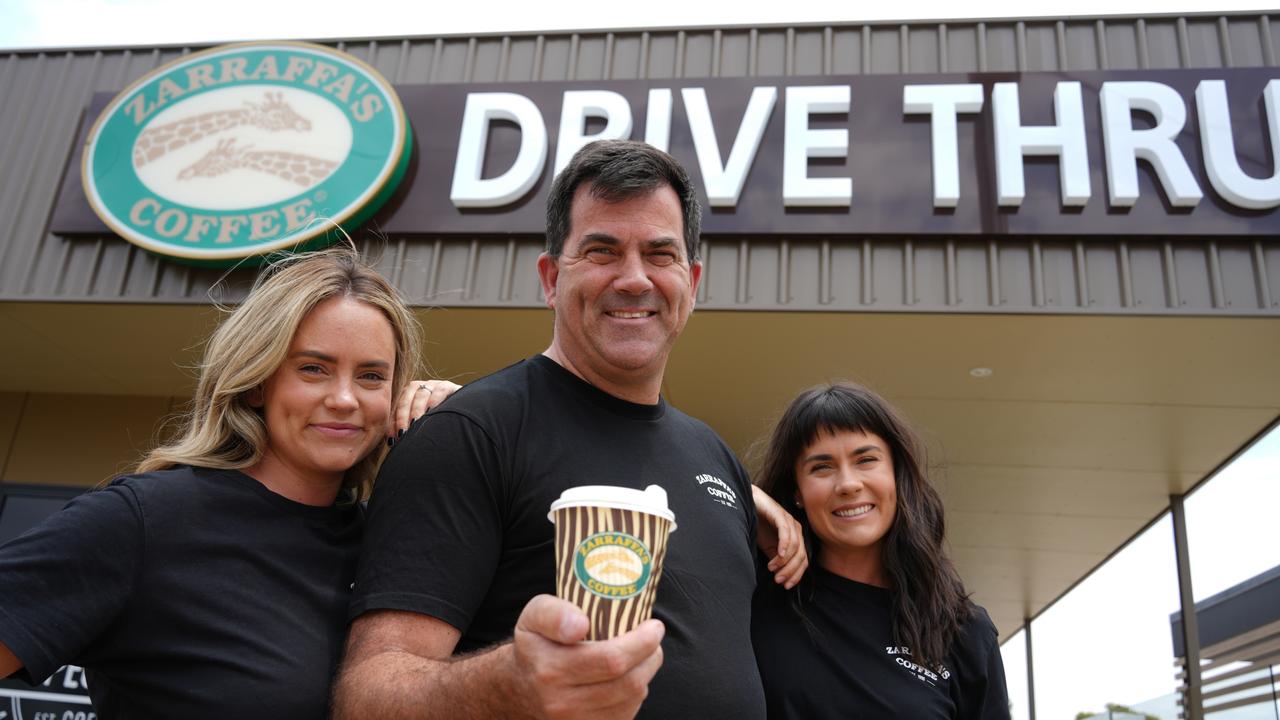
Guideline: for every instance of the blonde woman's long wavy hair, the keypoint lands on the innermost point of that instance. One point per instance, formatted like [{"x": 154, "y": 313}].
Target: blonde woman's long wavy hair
[{"x": 220, "y": 429}]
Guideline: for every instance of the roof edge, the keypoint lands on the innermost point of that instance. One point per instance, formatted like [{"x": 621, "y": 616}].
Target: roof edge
[{"x": 59, "y": 49}]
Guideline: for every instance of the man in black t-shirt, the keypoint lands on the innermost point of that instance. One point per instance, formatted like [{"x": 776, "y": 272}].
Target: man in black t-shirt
[{"x": 458, "y": 546}]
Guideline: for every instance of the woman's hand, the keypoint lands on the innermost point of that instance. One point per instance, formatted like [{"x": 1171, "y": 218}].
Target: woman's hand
[
  {"x": 418, "y": 397},
  {"x": 780, "y": 537}
]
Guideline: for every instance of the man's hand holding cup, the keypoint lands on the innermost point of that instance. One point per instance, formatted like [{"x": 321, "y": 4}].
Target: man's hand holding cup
[{"x": 568, "y": 678}]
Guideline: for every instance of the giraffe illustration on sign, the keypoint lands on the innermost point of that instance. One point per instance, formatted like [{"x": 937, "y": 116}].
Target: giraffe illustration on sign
[
  {"x": 274, "y": 114},
  {"x": 303, "y": 170}
]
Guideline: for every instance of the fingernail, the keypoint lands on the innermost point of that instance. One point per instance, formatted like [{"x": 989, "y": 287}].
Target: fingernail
[
  {"x": 399, "y": 434},
  {"x": 390, "y": 441}
]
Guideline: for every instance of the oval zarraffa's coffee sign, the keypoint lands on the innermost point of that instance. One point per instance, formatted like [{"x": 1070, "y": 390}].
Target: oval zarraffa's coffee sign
[{"x": 245, "y": 149}]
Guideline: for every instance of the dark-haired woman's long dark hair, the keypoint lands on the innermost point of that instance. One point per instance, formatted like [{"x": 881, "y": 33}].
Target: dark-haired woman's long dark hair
[{"x": 929, "y": 600}]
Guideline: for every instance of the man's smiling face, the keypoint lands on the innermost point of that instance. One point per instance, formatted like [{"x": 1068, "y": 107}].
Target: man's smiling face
[{"x": 623, "y": 287}]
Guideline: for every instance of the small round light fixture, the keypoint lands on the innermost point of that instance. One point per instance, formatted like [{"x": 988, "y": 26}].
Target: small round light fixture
[{"x": 980, "y": 372}]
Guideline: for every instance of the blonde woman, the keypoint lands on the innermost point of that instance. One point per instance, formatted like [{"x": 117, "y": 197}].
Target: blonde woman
[{"x": 213, "y": 582}]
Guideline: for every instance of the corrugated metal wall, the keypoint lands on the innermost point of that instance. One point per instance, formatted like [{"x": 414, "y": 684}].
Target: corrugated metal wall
[{"x": 46, "y": 93}]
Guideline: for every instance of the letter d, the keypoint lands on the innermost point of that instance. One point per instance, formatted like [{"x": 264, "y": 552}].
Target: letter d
[{"x": 469, "y": 189}]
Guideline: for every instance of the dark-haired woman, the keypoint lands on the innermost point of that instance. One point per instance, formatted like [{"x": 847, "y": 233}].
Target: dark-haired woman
[{"x": 882, "y": 627}]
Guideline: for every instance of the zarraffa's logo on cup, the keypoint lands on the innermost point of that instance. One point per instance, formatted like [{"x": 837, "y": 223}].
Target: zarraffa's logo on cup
[
  {"x": 246, "y": 149},
  {"x": 612, "y": 564}
]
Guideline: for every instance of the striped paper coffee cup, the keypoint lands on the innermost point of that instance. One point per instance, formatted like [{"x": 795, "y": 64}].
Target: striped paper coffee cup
[{"x": 610, "y": 542}]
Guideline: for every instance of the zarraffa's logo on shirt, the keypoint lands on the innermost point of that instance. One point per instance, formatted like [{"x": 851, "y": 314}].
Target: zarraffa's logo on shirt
[
  {"x": 246, "y": 149},
  {"x": 613, "y": 564},
  {"x": 902, "y": 657},
  {"x": 719, "y": 490}
]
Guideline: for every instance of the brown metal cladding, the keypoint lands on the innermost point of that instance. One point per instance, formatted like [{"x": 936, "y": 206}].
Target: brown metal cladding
[{"x": 46, "y": 93}]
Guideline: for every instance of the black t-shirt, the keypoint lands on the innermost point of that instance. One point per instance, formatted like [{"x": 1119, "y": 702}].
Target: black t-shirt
[
  {"x": 189, "y": 593},
  {"x": 846, "y": 665},
  {"x": 458, "y": 524}
]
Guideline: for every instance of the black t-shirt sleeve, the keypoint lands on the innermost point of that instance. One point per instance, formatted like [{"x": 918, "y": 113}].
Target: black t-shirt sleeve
[
  {"x": 433, "y": 536},
  {"x": 739, "y": 478},
  {"x": 980, "y": 691},
  {"x": 67, "y": 579}
]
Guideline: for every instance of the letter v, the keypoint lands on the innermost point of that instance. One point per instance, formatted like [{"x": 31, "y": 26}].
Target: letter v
[{"x": 724, "y": 182}]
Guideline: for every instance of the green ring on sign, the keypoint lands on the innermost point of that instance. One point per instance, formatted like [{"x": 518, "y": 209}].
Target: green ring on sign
[{"x": 207, "y": 161}]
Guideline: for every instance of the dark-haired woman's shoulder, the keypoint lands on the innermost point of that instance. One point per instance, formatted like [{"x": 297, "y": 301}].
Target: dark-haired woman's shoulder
[{"x": 978, "y": 686}]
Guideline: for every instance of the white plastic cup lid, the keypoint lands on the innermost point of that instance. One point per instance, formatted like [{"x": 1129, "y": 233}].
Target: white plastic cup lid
[{"x": 652, "y": 500}]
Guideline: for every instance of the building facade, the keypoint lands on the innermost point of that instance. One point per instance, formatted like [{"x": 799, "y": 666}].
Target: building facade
[{"x": 1077, "y": 350}]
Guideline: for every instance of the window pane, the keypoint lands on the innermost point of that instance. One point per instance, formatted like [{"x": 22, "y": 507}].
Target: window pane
[
  {"x": 1014, "y": 652},
  {"x": 1248, "y": 696},
  {"x": 1231, "y": 529},
  {"x": 1236, "y": 582},
  {"x": 1108, "y": 640}
]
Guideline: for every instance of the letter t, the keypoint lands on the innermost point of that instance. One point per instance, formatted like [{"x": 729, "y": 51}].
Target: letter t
[{"x": 943, "y": 103}]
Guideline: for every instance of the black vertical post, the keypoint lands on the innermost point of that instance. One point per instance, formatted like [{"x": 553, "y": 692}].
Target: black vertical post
[
  {"x": 1031, "y": 673},
  {"x": 1275, "y": 701},
  {"x": 1193, "y": 709}
]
